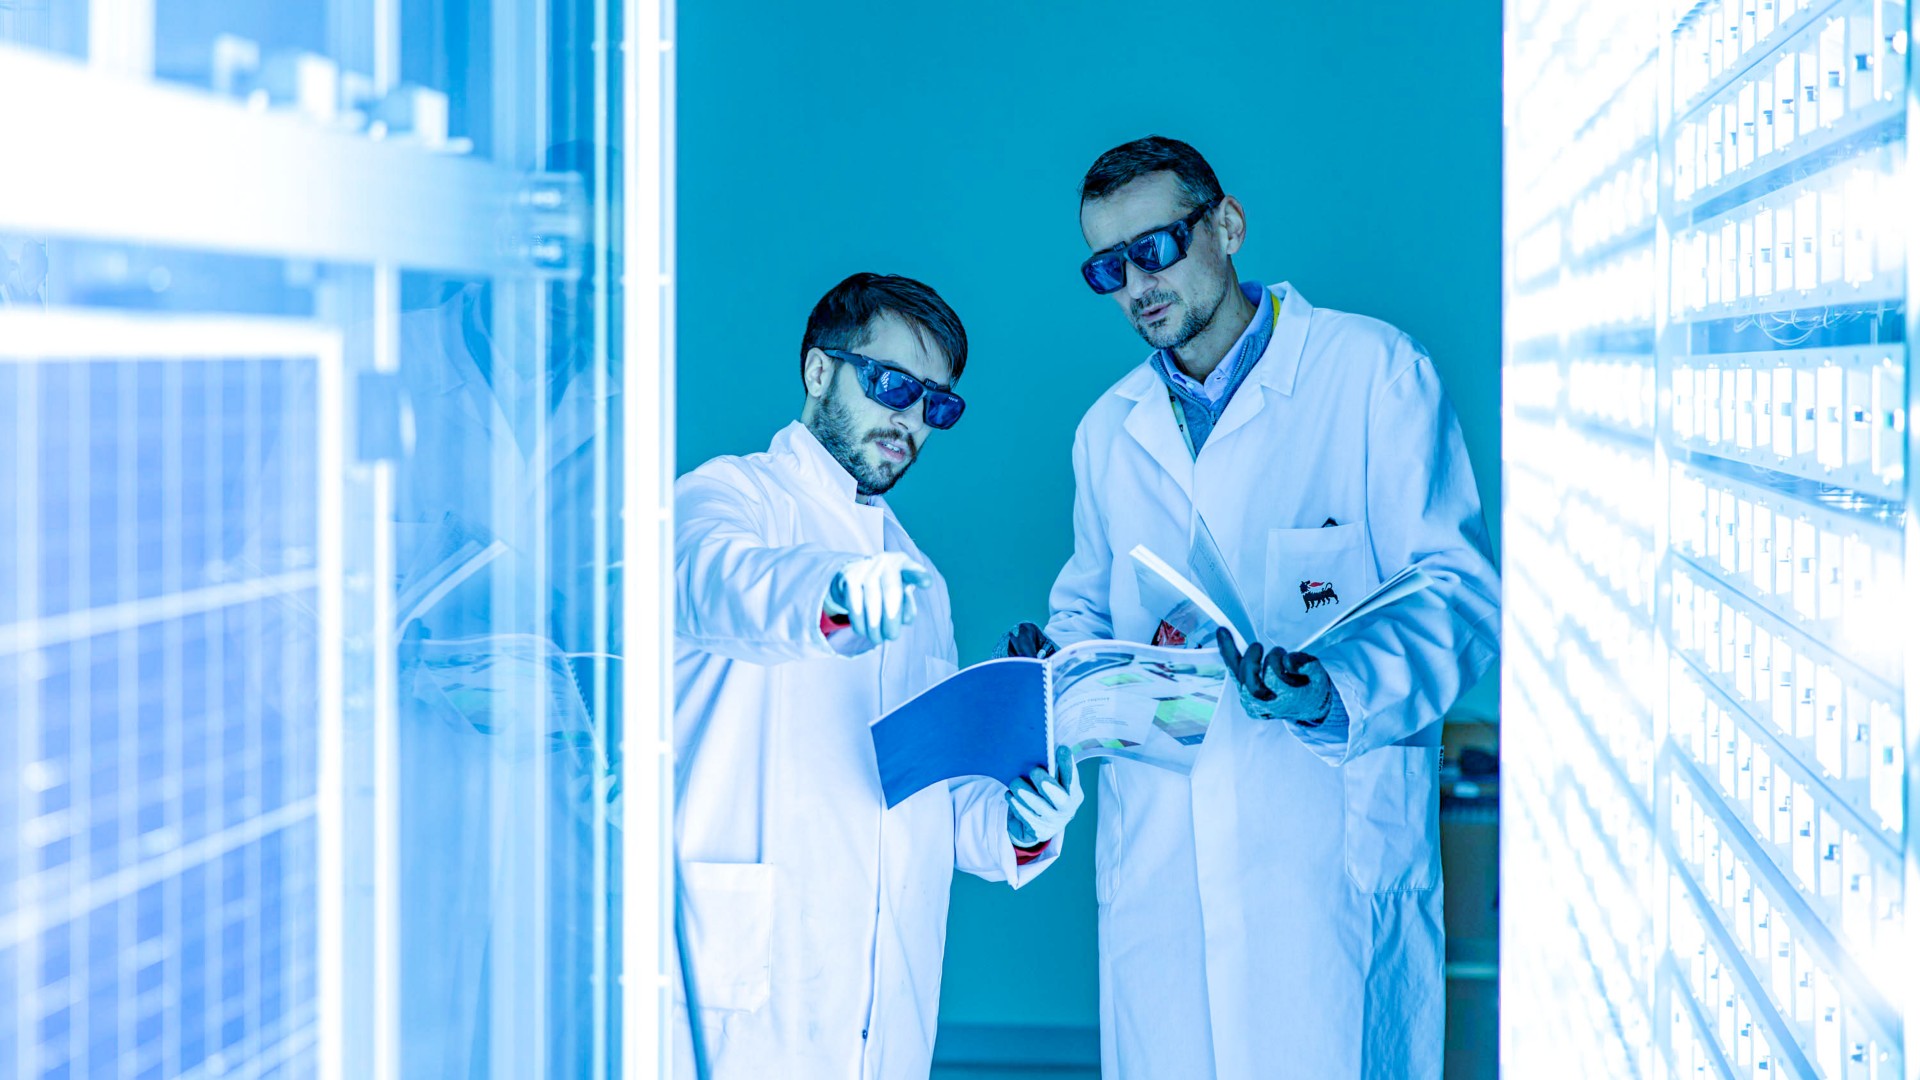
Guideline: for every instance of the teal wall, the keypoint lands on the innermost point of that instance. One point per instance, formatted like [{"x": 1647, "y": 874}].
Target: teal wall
[{"x": 946, "y": 142}]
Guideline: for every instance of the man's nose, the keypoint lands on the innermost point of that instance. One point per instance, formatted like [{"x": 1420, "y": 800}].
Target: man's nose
[
  {"x": 1139, "y": 282},
  {"x": 912, "y": 420}
]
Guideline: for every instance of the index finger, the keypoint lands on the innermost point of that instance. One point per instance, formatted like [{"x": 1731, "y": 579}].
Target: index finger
[
  {"x": 892, "y": 596},
  {"x": 1229, "y": 649}
]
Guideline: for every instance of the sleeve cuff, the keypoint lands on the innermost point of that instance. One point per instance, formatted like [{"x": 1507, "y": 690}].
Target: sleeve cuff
[
  {"x": 838, "y": 633},
  {"x": 1026, "y": 865},
  {"x": 1328, "y": 740}
]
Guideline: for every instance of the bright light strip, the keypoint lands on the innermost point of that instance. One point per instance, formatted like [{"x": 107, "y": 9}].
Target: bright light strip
[{"x": 646, "y": 751}]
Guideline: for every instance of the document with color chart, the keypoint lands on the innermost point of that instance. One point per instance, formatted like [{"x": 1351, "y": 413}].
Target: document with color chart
[{"x": 1003, "y": 718}]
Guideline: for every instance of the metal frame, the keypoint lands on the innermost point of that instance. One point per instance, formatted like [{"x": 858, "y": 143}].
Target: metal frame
[{"x": 217, "y": 175}]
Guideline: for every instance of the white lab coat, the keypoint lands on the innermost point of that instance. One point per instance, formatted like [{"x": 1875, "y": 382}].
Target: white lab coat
[
  {"x": 815, "y": 918},
  {"x": 1277, "y": 914}
]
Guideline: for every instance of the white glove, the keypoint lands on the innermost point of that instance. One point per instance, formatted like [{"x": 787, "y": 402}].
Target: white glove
[
  {"x": 876, "y": 594},
  {"x": 1038, "y": 807}
]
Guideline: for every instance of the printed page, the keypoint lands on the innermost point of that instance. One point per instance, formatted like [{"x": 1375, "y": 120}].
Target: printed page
[
  {"x": 1188, "y": 616},
  {"x": 1211, "y": 573},
  {"x": 1136, "y": 702},
  {"x": 1396, "y": 590}
]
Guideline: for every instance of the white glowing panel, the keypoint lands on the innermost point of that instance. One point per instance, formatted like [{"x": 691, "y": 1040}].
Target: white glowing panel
[
  {"x": 164, "y": 574},
  {"x": 1706, "y": 442}
]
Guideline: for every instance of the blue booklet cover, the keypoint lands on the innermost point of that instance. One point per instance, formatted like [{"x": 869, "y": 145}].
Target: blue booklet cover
[{"x": 988, "y": 720}]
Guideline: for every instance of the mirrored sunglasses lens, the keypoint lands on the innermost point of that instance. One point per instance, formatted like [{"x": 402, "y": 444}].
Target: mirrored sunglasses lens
[
  {"x": 1106, "y": 273},
  {"x": 894, "y": 390},
  {"x": 943, "y": 410},
  {"x": 1155, "y": 251}
]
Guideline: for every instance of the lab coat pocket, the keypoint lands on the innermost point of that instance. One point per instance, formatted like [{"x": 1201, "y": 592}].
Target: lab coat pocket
[
  {"x": 1311, "y": 575},
  {"x": 1392, "y": 819},
  {"x": 727, "y": 909}
]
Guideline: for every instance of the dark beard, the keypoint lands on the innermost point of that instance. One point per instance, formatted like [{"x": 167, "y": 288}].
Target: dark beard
[
  {"x": 1190, "y": 327},
  {"x": 832, "y": 425}
]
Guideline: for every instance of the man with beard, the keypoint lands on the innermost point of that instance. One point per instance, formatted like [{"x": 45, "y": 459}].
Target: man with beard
[
  {"x": 1276, "y": 913},
  {"x": 811, "y": 920}
]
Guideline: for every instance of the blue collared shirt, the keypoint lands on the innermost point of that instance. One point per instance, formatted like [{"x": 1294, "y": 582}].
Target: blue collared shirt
[{"x": 1202, "y": 403}]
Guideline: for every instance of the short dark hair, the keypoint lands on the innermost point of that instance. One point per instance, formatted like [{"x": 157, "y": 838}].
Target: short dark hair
[
  {"x": 1128, "y": 162},
  {"x": 843, "y": 319}
]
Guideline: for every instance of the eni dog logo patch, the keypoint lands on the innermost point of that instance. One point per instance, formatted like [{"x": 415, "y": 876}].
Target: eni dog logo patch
[{"x": 1318, "y": 594}]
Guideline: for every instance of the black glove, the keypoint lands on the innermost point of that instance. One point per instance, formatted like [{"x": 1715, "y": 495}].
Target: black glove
[
  {"x": 1025, "y": 640},
  {"x": 1282, "y": 667},
  {"x": 1277, "y": 684}
]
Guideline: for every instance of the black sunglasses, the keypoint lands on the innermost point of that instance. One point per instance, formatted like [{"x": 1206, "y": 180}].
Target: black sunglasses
[
  {"x": 898, "y": 390},
  {"x": 1151, "y": 251}
]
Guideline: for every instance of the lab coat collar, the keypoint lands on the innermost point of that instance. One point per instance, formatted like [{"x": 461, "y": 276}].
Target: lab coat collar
[
  {"x": 1140, "y": 383},
  {"x": 1151, "y": 422},
  {"x": 1276, "y": 368},
  {"x": 1279, "y": 365},
  {"x": 802, "y": 450},
  {"x": 1152, "y": 425}
]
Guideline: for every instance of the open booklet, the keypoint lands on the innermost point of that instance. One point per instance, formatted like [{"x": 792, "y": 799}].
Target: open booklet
[
  {"x": 1003, "y": 718},
  {"x": 1150, "y": 703},
  {"x": 1197, "y": 609}
]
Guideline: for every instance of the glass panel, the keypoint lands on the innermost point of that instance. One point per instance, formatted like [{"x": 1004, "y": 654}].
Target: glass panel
[{"x": 310, "y": 411}]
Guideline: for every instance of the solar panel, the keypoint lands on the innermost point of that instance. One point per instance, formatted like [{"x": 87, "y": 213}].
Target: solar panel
[{"x": 159, "y": 656}]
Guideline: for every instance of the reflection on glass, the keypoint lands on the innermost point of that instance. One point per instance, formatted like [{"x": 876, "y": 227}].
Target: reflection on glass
[
  {"x": 494, "y": 651},
  {"x": 308, "y": 642}
]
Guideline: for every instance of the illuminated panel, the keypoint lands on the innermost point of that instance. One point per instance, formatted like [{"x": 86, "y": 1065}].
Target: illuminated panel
[
  {"x": 1580, "y": 545},
  {"x": 1706, "y": 442},
  {"x": 162, "y": 912},
  {"x": 1783, "y": 366}
]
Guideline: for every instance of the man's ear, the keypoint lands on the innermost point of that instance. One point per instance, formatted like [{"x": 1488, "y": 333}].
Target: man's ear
[
  {"x": 1232, "y": 220},
  {"x": 817, "y": 373}
]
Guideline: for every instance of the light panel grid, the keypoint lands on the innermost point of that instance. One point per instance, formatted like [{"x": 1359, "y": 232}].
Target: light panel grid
[
  {"x": 1707, "y": 402},
  {"x": 165, "y": 570}
]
